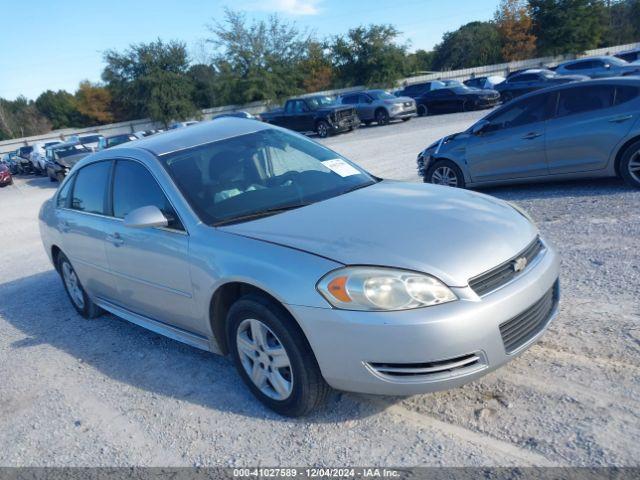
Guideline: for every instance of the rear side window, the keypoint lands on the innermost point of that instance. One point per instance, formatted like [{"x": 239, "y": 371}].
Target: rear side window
[
  {"x": 578, "y": 100},
  {"x": 350, "y": 99},
  {"x": 626, "y": 93},
  {"x": 135, "y": 187},
  {"x": 90, "y": 188},
  {"x": 63, "y": 195}
]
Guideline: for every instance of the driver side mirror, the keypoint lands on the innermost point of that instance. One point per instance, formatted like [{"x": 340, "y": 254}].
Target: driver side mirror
[
  {"x": 144, "y": 217},
  {"x": 481, "y": 127}
]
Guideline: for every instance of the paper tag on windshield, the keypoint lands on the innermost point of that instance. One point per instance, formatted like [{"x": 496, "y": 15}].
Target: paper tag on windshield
[{"x": 341, "y": 167}]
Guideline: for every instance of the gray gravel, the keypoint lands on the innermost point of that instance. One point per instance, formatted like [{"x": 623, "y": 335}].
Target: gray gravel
[{"x": 105, "y": 392}]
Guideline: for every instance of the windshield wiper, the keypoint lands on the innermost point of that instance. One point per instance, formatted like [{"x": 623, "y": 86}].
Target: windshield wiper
[{"x": 259, "y": 214}]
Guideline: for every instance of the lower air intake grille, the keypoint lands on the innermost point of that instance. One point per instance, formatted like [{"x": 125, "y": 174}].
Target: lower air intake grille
[
  {"x": 519, "y": 330},
  {"x": 451, "y": 366}
]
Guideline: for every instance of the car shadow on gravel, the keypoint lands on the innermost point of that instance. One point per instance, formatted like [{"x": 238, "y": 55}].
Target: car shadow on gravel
[
  {"x": 570, "y": 188},
  {"x": 145, "y": 360}
]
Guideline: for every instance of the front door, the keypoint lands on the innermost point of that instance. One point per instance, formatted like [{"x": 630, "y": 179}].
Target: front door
[
  {"x": 150, "y": 265},
  {"x": 513, "y": 144}
]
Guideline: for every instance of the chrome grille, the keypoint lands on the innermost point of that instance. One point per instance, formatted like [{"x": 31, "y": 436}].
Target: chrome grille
[
  {"x": 449, "y": 367},
  {"x": 522, "y": 328},
  {"x": 505, "y": 272}
]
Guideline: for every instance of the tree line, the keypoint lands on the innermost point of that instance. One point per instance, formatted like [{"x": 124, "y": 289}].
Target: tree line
[{"x": 269, "y": 60}]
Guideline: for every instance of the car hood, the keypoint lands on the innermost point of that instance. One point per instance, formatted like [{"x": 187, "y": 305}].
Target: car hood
[
  {"x": 71, "y": 160},
  {"x": 450, "y": 233}
]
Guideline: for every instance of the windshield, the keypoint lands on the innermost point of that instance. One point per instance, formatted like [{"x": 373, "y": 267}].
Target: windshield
[
  {"x": 318, "y": 102},
  {"x": 69, "y": 150},
  {"x": 260, "y": 173},
  {"x": 380, "y": 95},
  {"x": 616, "y": 61}
]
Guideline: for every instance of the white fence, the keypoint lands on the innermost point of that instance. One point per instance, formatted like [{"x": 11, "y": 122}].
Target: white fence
[{"x": 258, "y": 107}]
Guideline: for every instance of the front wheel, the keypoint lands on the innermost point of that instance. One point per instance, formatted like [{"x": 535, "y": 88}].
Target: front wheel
[
  {"x": 273, "y": 357},
  {"x": 445, "y": 172},
  {"x": 406, "y": 119},
  {"x": 322, "y": 129},
  {"x": 382, "y": 117},
  {"x": 423, "y": 111},
  {"x": 630, "y": 165}
]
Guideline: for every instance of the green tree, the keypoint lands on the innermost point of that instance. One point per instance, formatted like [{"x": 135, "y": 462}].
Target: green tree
[
  {"x": 621, "y": 22},
  {"x": 205, "y": 86},
  {"x": 369, "y": 56},
  {"x": 316, "y": 68},
  {"x": 567, "y": 26},
  {"x": 419, "y": 61},
  {"x": 150, "y": 80},
  {"x": 472, "y": 45},
  {"x": 60, "y": 108},
  {"x": 258, "y": 60}
]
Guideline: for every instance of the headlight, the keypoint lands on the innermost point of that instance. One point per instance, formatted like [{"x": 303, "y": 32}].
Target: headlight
[
  {"x": 378, "y": 288},
  {"x": 521, "y": 211}
]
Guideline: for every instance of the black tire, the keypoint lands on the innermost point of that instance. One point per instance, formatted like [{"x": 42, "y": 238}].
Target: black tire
[
  {"x": 442, "y": 165},
  {"x": 51, "y": 179},
  {"x": 367, "y": 122},
  {"x": 423, "y": 110},
  {"x": 382, "y": 117},
  {"x": 630, "y": 165},
  {"x": 323, "y": 129},
  {"x": 309, "y": 389},
  {"x": 86, "y": 308},
  {"x": 59, "y": 177},
  {"x": 406, "y": 119}
]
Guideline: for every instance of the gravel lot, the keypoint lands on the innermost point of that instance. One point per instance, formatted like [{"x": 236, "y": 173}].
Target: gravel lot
[{"x": 105, "y": 392}]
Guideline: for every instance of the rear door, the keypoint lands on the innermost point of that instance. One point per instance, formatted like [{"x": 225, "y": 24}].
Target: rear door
[
  {"x": 151, "y": 265},
  {"x": 513, "y": 145},
  {"x": 83, "y": 223},
  {"x": 589, "y": 122}
]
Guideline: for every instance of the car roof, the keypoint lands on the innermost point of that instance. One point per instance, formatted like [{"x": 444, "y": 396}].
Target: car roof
[{"x": 202, "y": 133}]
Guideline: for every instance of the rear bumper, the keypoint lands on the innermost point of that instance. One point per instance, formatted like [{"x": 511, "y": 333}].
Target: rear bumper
[{"x": 355, "y": 349}]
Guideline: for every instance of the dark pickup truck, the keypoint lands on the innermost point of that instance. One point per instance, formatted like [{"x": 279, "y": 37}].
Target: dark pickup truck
[{"x": 317, "y": 114}]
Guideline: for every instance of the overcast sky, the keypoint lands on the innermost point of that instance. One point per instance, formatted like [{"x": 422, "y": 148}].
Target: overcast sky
[{"x": 54, "y": 45}]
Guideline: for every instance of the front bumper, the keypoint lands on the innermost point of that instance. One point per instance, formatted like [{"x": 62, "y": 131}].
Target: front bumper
[
  {"x": 345, "y": 124},
  {"x": 405, "y": 113},
  {"x": 348, "y": 344}
]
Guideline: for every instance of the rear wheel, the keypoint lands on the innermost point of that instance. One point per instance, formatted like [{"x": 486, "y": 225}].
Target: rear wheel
[
  {"x": 273, "y": 357},
  {"x": 79, "y": 298},
  {"x": 630, "y": 165},
  {"x": 445, "y": 172},
  {"x": 382, "y": 117},
  {"x": 322, "y": 129}
]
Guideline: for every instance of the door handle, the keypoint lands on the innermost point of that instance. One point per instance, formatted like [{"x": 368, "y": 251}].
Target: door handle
[
  {"x": 115, "y": 239},
  {"x": 64, "y": 226},
  {"x": 531, "y": 135},
  {"x": 621, "y": 119}
]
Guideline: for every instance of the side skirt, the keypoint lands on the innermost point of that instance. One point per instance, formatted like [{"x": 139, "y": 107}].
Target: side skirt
[{"x": 170, "y": 331}]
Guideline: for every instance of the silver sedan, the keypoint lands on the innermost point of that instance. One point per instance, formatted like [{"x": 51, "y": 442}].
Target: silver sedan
[{"x": 245, "y": 239}]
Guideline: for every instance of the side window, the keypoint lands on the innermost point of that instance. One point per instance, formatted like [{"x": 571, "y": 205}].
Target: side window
[
  {"x": 90, "y": 188},
  {"x": 524, "y": 112},
  {"x": 350, "y": 99},
  {"x": 135, "y": 187},
  {"x": 62, "y": 201},
  {"x": 585, "y": 99},
  {"x": 626, "y": 93},
  {"x": 300, "y": 107},
  {"x": 289, "y": 107},
  {"x": 362, "y": 98}
]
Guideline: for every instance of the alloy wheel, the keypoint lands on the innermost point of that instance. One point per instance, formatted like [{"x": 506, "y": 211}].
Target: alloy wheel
[
  {"x": 634, "y": 167},
  {"x": 322, "y": 130},
  {"x": 73, "y": 285},
  {"x": 264, "y": 359},
  {"x": 444, "y": 176}
]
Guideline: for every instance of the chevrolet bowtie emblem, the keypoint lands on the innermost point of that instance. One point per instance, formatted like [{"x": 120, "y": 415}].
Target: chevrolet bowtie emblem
[{"x": 520, "y": 264}]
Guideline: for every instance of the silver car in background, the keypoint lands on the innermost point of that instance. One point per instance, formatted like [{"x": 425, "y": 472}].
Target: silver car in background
[
  {"x": 242, "y": 238},
  {"x": 380, "y": 106},
  {"x": 598, "y": 67},
  {"x": 577, "y": 130}
]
